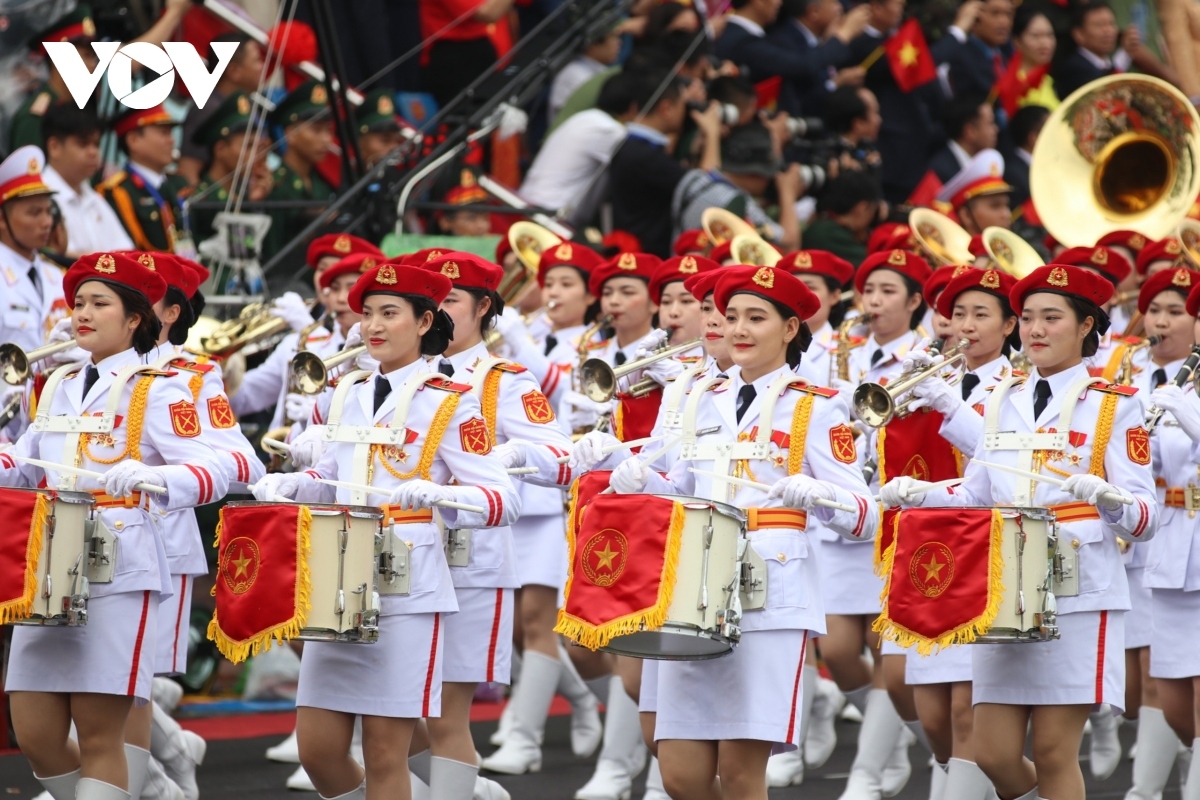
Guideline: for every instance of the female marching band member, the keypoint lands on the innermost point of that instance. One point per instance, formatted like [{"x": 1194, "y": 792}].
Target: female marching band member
[
  {"x": 513, "y": 406},
  {"x": 678, "y": 309},
  {"x": 447, "y": 436},
  {"x": 1101, "y": 457},
  {"x": 93, "y": 675},
  {"x": 1170, "y": 301},
  {"x": 940, "y": 327},
  {"x": 890, "y": 283},
  {"x": 1114, "y": 268},
  {"x": 824, "y": 274},
  {"x": 701, "y": 733}
]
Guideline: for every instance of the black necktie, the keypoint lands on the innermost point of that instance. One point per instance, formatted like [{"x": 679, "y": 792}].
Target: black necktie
[
  {"x": 551, "y": 343},
  {"x": 746, "y": 396},
  {"x": 89, "y": 379},
  {"x": 36, "y": 280},
  {"x": 969, "y": 382},
  {"x": 1160, "y": 378},
  {"x": 619, "y": 358},
  {"x": 877, "y": 356},
  {"x": 446, "y": 368},
  {"x": 1041, "y": 396},
  {"x": 383, "y": 387}
]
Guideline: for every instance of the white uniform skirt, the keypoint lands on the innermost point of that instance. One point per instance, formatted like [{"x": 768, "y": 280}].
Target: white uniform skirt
[
  {"x": 849, "y": 584},
  {"x": 174, "y": 615},
  {"x": 479, "y": 637},
  {"x": 1084, "y": 667},
  {"x": 1174, "y": 646},
  {"x": 951, "y": 665},
  {"x": 540, "y": 543},
  {"x": 112, "y": 654},
  {"x": 648, "y": 695},
  {"x": 1139, "y": 619},
  {"x": 398, "y": 676},
  {"x": 752, "y": 693}
]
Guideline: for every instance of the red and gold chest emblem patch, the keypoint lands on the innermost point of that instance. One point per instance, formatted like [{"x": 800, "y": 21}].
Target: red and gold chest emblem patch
[
  {"x": 219, "y": 412},
  {"x": 931, "y": 569},
  {"x": 537, "y": 407},
  {"x": 474, "y": 436},
  {"x": 841, "y": 441},
  {"x": 604, "y": 557},
  {"x": 184, "y": 419},
  {"x": 1137, "y": 445},
  {"x": 239, "y": 567}
]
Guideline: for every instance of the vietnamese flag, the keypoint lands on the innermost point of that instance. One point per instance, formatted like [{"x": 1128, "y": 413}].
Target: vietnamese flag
[
  {"x": 1015, "y": 83},
  {"x": 944, "y": 577},
  {"x": 926, "y": 192},
  {"x": 909, "y": 57}
]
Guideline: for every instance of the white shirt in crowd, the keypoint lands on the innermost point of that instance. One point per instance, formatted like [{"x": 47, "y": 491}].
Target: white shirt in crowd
[
  {"x": 571, "y": 159},
  {"x": 570, "y": 78},
  {"x": 92, "y": 225}
]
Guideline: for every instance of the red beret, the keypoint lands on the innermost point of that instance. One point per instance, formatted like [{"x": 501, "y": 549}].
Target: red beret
[
  {"x": 200, "y": 272},
  {"x": 626, "y": 265},
  {"x": 141, "y": 118},
  {"x": 467, "y": 271},
  {"x": 939, "y": 280},
  {"x": 116, "y": 268},
  {"x": 975, "y": 246},
  {"x": 1104, "y": 260},
  {"x": 1131, "y": 239},
  {"x": 503, "y": 248},
  {"x": 353, "y": 264},
  {"x": 692, "y": 241},
  {"x": 170, "y": 269},
  {"x": 1168, "y": 249},
  {"x": 679, "y": 268},
  {"x": 1179, "y": 278},
  {"x": 908, "y": 264},
  {"x": 392, "y": 278},
  {"x": 818, "y": 262},
  {"x": 418, "y": 258},
  {"x": 722, "y": 252},
  {"x": 338, "y": 245},
  {"x": 891, "y": 236},
  {"x": 568, "y": 254},
  {"x": 992, "y": 281},
  {"x": 702, "y": 284},
  {"x": 774, "y": 284},
  {"x": 1193, "y": 301},
  {"x": 1061, "y": 279}
]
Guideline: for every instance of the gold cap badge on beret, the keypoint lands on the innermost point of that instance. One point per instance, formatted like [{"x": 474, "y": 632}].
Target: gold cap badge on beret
[
  {"x": 368, "y": 263},
  {"x": 990, "y": 279},
  {"x": 1183, "y": 277},
  {"x": 342, "y": 244},
  {"x": 897, "y": 258},
  {"x": 564, "y": 252},
  {"x": 450, "y": 270},
  {"x": 432, "y": 254},
  {"x": 1100, "y": 257},
  {"x": 147, "y": 261},
  {"x": 1137, "y": 241},
  {"x": 627, "y": 262},
  {"x": 803, "y": 261},
  {"x": 764, "y": 278},
  {"x": 1173, "y": 247},
  {"x": 386, "y": 275},
  {"x": 960, "y": 269},
  {"x": 688, "y": 266},
  {"x": 106, "y": 264},
  {"x": 1057, "y": 277}
]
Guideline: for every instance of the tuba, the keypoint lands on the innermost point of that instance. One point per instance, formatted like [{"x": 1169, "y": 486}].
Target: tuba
[
  {"x": 724, "y": 226},
  {"x": 753, "y": 250},
  {"x": 1011, "y": 253},
  {"x": 529, "y": 240},
  {"x": 1121, "y": 152},
  {"x": 1189, "y": 237},
  {"x": 940, "y": 238}
]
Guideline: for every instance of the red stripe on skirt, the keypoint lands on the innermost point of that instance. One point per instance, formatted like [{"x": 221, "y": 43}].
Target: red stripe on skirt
[
  {"x": 437, "y": 619},
  {"x": 491, "y": 670},
  {"x": 1100, "y": 657},
  {"x": 178, "y": 620},
  {"x": 137, "y": 645},
  {"x": 796, "y": 687}
]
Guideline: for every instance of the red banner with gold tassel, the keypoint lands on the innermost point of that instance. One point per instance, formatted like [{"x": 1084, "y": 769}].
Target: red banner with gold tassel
[
  {"x": 635, "y": 416},
  {"x": 621, "y": 568},
  {"x": 263, "y": 587},
  {"x": 27, "y": 512},
  {"x": 943, "y": 577},
  {"x": 912, "y": 446}
]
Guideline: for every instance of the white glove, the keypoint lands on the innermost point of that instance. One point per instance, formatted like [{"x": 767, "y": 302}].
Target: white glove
[
  {"x": 919, "y": 357},
  {"x": 365, "y": 361},
  {"x": 291, "y": 309},
  {"x": 589, "y": 450},
  {"x": 123, "y": 478},
  {"x": 630, "y": 477},
  {"x": 72, "y": 355},
  {"x": 299, "y": 407},
  {"x": 902, "y": 491},
  {"x": 801, "y": 491},
  {"x": 663, "y": 372},
  {"x": 61, "y": 332},
  {"x": 353, "y": 336},
  {"x": 420, "y": 494},
  {"x": 308, "y": 446},
  {"x": 845, "y": 390},
  {"x": 1093, "y": 490},
  {"x": 1173, "y": 399},
  {"x": 511, "y": 327},
  {"x": 582, "y": 411},
  {"x": 512, "y": 454},
  {"x": 283, "y": 484},
  {"x": 935, "y": 393}
]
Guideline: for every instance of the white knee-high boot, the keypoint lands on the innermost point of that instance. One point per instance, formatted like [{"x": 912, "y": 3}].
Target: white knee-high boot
[
  {"x": 138, "y": 761},
  {"x": 966, "y": 781},
  {"x": 451, "y": 780},
  {"x": 586, "y": 730},
  {"x": 881, "y": 730},
  {"x": 1157, "y": 747},
  {"x": 522, "y": 749},
  {"x": 1192, "y": 792},
  {"x": 179, "y": 751},
  {"x": 60, "y": 787},
  {"x": 92, "y": 789}
]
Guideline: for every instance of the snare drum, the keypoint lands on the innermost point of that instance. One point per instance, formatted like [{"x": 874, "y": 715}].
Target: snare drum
[
  {"x": 1035, "y": 573},
  {"x": 346, "y": 541}
]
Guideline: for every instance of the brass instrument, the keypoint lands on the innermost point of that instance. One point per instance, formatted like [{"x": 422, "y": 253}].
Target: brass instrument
[
  {"x": 876, "y": 404},
  {"x": 1187, "y": 372},
  {"x": 753, "y": 250},
  {"x": 940, "y": 238},
  {"x": 598, "y": 379},
  {"x": 310, "y": 373},
  {"x": 585, "y": 339},
  {"x": 841, "y": 356},
  {"x": 724, "y": 226},
  {"x": 254, "y": 325},
  {"x": 1121, "y": 152},
  {"x": 1125, "y": 373},
  {"x": 1011, "y": 253},
  {"x": 1189, "y": 236},
  {"x": 16, "y": 365}
]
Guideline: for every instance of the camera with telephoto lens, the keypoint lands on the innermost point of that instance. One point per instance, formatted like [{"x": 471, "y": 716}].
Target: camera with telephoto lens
[
  {"x": 729, "y": 112},
  {"x": 805, "y": 127}
]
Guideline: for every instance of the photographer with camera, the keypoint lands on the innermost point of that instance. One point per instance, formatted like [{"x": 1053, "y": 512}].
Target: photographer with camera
[
  {"x": 849, "y": 206},
  {"x": 852, "y": 117}
]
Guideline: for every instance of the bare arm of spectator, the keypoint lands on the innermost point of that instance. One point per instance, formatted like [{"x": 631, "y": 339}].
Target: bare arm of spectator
[
  {"x": 1144, "y": 59},
  {"x": 162, "y": 30},
  {"x": 790, "y": 186},
  {"x": 709, "y": 123},
  {"x": 852, "y": 24}
]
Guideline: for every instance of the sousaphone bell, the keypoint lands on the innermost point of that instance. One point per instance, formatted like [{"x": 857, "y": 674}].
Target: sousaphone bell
[{"x": 941, "y": 238}]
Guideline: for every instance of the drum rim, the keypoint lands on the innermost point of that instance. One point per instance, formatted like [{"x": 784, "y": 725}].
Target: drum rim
[
  {"x": 724, "y": 509},
  {"x": 67, "y": 495},
  {"x": 320, "y": 509}
]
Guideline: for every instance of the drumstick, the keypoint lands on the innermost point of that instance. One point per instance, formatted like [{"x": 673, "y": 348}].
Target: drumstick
[
  {"x": 85, "y": 473},
  {"x": 362, "y": 487},
  {"x": 277, "y": 446},
  {"x": 648, "y": 458},
  {"x": 522, "y": 470},
  {"x": 817, "y": 501},
  {"x": 1033, "y": 476},
  {"x": 930, "y": 487},
  {"x": 612, "y": 448}
]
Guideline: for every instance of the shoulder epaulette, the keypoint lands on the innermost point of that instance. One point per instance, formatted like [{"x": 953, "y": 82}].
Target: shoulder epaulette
[
  {"x": 1131, "y": 339},
  {"x": 690, "y": 359},
  {"x": 448, "y": 385},
  {"x": 113, "y": 181},
  {"x": 190, "y": 366},
  {"x": 157, "y": 373},
  {"x": 1115, "y": 388},
  {"x": 39, "y": 105},
  {"x": 822, "y": 391},
  {"x": 508, "y": 366}
]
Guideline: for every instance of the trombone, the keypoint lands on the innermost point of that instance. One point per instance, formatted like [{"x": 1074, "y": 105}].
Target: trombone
[
  {"x": 876, "y": 405},
  {"x": 253, "y": 325},
  {"x": 598, "y": 380},
  {"x": 16, "y": 365},
  {"x": 310, "y": 373}
]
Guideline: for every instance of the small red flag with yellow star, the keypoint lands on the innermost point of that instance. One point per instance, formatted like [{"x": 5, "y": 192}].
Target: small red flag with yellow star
[{"x": 909, "y": 57}]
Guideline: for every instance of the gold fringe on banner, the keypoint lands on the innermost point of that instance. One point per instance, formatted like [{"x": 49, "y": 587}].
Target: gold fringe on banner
[{"x": 21, "y": 607}]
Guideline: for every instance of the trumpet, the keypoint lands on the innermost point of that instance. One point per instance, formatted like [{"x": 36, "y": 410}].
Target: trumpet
[
  {"x": 598, "y": 380},
  {"x": 876, "y": 405},
  {"x": 1186, "y": 373},
  {"x": 310, "y": 373},
  {"x": 16, "y": 365}
]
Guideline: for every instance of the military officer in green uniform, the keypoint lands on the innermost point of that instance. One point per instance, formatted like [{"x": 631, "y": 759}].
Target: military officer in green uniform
[
  {"x": 78, "y": 29},
  {"x": 308, "y": 133},
  {"x": 145, "y": 196},
  {"x": 223, "y": 137},
  {"x": 379, "y": 129}
]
